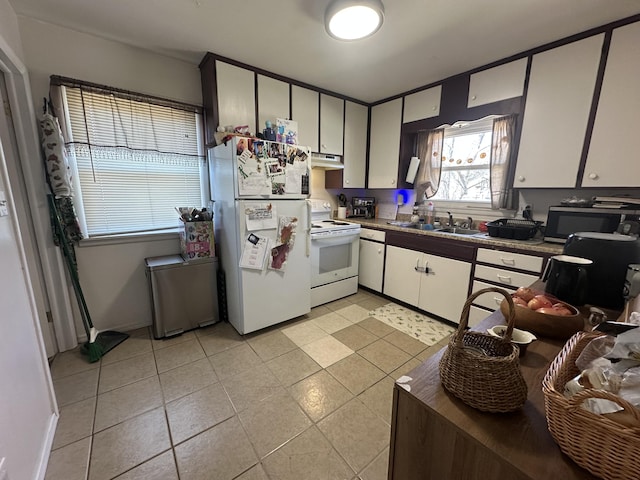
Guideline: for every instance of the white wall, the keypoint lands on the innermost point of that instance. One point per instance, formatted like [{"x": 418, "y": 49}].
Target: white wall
[
  {"x": 27, "y": 406},
  {"x": 112, "y": 276}
]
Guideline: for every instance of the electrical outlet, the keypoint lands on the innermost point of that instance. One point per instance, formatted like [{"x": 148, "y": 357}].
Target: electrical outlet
[{"x": 4, "y": 473}]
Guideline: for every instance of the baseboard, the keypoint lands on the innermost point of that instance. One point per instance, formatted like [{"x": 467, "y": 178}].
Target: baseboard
[{"x": 46, "y": 447}]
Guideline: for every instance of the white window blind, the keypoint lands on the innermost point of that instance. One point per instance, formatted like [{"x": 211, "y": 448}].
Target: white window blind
[{"x": 135, "y": 160}]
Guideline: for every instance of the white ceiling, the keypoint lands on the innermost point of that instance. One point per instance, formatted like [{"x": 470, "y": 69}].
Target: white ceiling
[{"x": 421, "y": 41}]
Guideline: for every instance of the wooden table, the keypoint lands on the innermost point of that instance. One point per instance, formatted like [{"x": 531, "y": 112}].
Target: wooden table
[{"x": 436, "y": 436}]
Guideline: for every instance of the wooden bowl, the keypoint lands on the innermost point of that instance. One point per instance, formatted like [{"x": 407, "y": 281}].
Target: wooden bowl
[{"x": 546, "y": 325}]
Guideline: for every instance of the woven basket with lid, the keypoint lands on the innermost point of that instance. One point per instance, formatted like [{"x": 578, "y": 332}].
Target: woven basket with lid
[{"x": 482, "y": 370}]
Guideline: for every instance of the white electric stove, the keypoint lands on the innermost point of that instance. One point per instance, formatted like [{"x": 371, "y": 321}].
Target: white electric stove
[{"x": 335, "y": 247}]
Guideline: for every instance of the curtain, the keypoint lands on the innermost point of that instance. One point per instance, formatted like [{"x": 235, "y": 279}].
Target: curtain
[
  {"x": 501, "y": 153},
  {"x": 429, "y": 148},
  {"x": 134, "y": 158}
]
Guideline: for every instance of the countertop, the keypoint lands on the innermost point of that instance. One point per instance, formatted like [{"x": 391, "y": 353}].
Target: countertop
[
  {"x": 532, "y": 245},
  {"x": 517, "y": 444}
]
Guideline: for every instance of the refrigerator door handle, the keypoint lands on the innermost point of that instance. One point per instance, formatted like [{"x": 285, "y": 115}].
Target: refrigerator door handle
[{"x": 308, "y": 223}]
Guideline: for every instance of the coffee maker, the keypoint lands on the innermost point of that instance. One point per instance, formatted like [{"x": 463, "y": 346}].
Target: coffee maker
[{"x": 364, "y": 207}]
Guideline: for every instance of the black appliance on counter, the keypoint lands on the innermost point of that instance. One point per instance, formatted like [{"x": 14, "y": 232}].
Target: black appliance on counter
[
  {"x": 563, "y": 221},
  {"x": 364, "y": 207},
  {"x": 611, "y": 254}
]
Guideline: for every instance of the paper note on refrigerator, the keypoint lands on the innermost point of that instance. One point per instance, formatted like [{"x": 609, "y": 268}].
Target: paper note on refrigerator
[
  {"x": 261, "y": 216},
  {"x": 254, "y": 252}
]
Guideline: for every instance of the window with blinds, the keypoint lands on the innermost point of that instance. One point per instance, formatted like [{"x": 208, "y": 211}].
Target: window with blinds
[{"x": 135, "y": 159}]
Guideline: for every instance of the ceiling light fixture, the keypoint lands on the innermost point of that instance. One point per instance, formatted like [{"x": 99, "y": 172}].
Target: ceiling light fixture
[{"x": 353, "y": 19}]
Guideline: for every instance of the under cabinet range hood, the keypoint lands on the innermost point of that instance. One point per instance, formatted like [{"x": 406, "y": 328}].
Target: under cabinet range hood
[{"x": 326, "y": 162}]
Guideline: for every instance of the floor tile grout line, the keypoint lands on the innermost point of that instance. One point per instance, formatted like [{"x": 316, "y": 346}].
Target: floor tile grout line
[{"x": 287, "y": 388}]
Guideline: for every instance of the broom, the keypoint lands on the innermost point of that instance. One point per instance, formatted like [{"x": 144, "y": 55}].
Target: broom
[{"x": 98, "y": 343}]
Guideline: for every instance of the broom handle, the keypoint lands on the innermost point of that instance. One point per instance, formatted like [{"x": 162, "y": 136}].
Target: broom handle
[{"x": 62, "y": 238}]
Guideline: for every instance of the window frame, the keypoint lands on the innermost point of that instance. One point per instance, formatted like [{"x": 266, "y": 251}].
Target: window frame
[{"x": 204, "y": 182}]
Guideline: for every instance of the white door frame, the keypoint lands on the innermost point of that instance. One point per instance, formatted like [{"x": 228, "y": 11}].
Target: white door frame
[{"x": 24, "y": 122}]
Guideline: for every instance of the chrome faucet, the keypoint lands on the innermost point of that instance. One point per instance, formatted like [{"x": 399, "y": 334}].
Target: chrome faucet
[
  {"x": 450, "y": 219},
  {"x": 469, "y": 223}
]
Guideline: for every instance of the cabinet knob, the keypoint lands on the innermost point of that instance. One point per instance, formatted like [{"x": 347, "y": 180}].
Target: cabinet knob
[
  {"x": 434, "y": 108},
  {"x": 347, "y": 182},
  {"x": 521, "y": 178},
  {"x": 593, "y": 176},
  {"x": 473, "y": 97},
  {"x": 324, "y": 145},
  {"x": 379, "y": 250},
  {"x": 393, "y": 182}
]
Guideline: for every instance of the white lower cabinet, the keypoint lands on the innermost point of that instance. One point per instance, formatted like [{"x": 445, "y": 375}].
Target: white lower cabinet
[
  {"x": 371, "y": 263},
  {"x": 435, "y": 284},
  {"x": 401, "y": 279},
  {"x": 444, "y": 286}
]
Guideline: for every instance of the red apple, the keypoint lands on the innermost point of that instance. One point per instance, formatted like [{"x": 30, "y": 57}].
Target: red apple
[
  {"x": 525, "y": 293},
  {"x": 539, "y": 301},
  {"x": 562, "y": 309},
  {"x": 519, "y": 301}
]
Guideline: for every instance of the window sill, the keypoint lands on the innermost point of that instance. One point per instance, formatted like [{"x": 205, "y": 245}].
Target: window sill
[
  {"x": 462, "y": 208},
  {"x": 160, "y": 235}
]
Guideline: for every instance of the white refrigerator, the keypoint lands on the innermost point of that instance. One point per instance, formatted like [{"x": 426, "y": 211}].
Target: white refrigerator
[{"x": 262, "y": 227}]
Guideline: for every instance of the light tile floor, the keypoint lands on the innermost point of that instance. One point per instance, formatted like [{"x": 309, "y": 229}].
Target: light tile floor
[{"x": 309, "y": 399}]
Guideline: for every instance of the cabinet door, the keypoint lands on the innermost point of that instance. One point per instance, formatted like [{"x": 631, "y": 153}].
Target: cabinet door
[
  {"x": 443, "y": 290},
  {"x": 384, "y": 144},
  {"x": 559, "y": 99},
  {"x": 371, "y": 264},
  {"x": 305, "y": 109},
  {"x": 236, "y": 95},
  {"x": 273, "y": 100},
  {"x": 612, "y": 161},
  {"x": 401, "y": 280},
  {"x": 355, "y": 145},
  {"x": 331, "y": 124},
  {"x": 420, "y": 105},
  {"x": 497, "y": 83}
]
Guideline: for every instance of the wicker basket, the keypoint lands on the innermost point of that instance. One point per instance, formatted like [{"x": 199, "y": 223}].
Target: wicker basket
[
  {"x": 481, "y": 370},
  {"x": 604, "y": 447}
]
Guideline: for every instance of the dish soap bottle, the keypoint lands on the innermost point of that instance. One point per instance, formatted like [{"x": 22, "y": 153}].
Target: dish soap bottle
[{"x": 430, "y": 213}]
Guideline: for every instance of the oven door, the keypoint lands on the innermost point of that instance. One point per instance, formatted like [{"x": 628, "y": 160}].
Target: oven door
[{"x": 334, "y": 257}]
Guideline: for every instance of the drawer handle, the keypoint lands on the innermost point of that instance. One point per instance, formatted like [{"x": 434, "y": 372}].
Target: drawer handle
[
  {"x": 417, "y": 268},
  {"x": 504, "y": 278},
  {"x": 508, "y": 261}
]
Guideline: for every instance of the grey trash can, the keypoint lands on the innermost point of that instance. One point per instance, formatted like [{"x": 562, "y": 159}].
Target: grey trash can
[{"x": 184, "y": 293}]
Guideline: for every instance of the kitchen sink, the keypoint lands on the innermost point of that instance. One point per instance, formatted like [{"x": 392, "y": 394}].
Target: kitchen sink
[{"x": 458, "y": 230}]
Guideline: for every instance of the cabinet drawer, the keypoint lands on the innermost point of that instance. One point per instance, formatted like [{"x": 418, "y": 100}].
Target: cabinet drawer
[
  {"x": 477, "y": 314},
  {"x": 490, "y": 300},
  {"x": 504, "y": 277},
  {"x": 510, "y": 260},
  {"x": 375, "y": 235}
]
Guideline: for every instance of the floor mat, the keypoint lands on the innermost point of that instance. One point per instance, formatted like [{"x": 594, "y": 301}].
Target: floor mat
[{"x": 419, "y": 326}]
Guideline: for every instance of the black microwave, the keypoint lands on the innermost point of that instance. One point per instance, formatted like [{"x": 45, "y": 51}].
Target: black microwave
[{"x": 563, "y": 221}]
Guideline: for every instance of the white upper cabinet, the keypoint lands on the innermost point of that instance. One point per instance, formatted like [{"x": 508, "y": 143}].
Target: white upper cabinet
[
  {"x": 611, "y": 161},
  {"x": 421, "y": 105},
  {"x": 273, "y": 100},
  {"x": 497, "y": 83},
  {"x": 236, "y": 95},
  {"x": 559, "y": 98},
  {"x": 355, "y": 145},
  {"x": 384, "y": 144},
  {"x": 305, "y": 109},
  {"x": 331, "y": 124}
]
